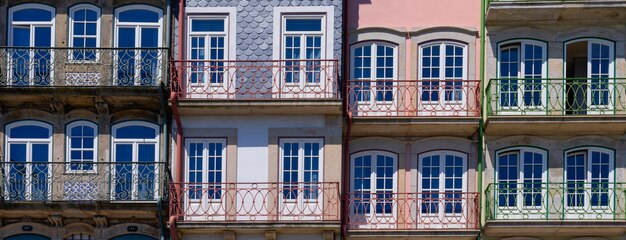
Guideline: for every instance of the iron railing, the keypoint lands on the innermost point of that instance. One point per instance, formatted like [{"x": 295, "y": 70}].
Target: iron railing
[
  {"x": 414, "y": 98},
  {"x": 255, "y": 202},
  {"x": 414, "y": 211},
  {"x": 22, "y": 66},
  {"x": 538, "y": 1},
  {"x": 250, "y": 80},
  {"x": 81, "y": 182},
  {"x": 556, "y": 96},
  {"x": 574, "y": 200}
]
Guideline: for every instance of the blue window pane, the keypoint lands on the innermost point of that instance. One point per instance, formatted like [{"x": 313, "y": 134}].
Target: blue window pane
[
  {"x": 132, "y": 132},
  {"x": 80, "y": 15},
  {"x": 304, "y": 25},
  {"x": 91, "y": 29},
  {"x": 91, "y": 15},
  {"x": 138, "y": 15},
  {"x": 213, "y": 25},
  {"x": 29, "y": 131},
  {"x": 32, "y": 14}
]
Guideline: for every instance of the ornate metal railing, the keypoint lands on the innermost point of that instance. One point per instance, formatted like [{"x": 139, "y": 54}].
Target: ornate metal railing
[
  {"x": 81, "y": 182},
  {"x": 576, "y": 200},
  {"x": 21, "y": 66},
  {"x": 414, "y": 98},
  {"x": 556, "y": 96},
  {"x": 539, "y": 1},
  {"x": 413, "y": 211},
  {"x": 254, "y": 202},
  {"x": 249, "y": 80}
]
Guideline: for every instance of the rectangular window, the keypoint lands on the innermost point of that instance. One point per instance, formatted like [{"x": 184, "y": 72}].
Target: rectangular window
[
  {"x": 301, "y": 168},
  {"x": 304, "y": 45},
  {"x": 208, "y": 40},
  {"x": 84, "y": 31},
  {"x": 206, "y": 168}
]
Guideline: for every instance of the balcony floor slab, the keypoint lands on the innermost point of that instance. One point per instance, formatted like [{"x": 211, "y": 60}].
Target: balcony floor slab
[
  {"x": 414, "y": 234},
  {"x": 554, "y": 228},
  {"x": 555, "y": 125},
  {"x": 255, "y": 227},
  {"x": 259, "y": 107},
  {"x": 554, "y": 12},
  {"x": 414, "y": 126}
]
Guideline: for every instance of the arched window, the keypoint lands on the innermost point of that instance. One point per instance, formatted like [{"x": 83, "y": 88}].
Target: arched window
[
  {"x": 589, "y": 177},
  {"x": 135, "y": 153},
  {"x": 521, "y": 180},
  {"x": 374, "y": 69},
  {"x": 82, "y": 146},
  {"x": 443, "y": 67},
  {"x": 28, "y": 151},
  {"x": 31, "y": 25},
  {"x": 522, "y": 67},
  {"x": 373, "y": 182},
  {"x": 442, "y": 182},
  {"x": 138, "y": 27},
  {"x": 84, "y": 27},
  {"x": 79, "y": 236}
]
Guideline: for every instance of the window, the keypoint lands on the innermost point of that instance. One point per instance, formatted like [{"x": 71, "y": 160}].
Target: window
[
  {"x": 521, "y": 178},
  {"x": 205, "y": 168},
  {"x": 82, "y": 145},
  {"x": 84, "y": 27},
  {"x": 208, "y": 47},
  {"x": 443, "y": 68},
  {"x": 522, "y": 67},
  {"x": 442, "y": 182},
  {"x": 588, "y": 176},
  {"x": 375, "y": 64},
  {"x": 373, "y": 182},
  {"x": 28, "y": 147},
  {"x": 138, "y": 27},
  {"x": 303, "y": 46},
  {"x": 135, "y": 153},
  {"x": 301, "y": 168},
  {"x": 79, "y": 236},
  {"x": 31, "y": 31}
]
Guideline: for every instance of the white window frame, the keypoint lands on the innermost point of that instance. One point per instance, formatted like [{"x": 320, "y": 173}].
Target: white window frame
[
  {"x": 301, "y": 142},
  {"x": 68, "y": 144},
  {"x": 520, "y": 109},
  {"x": 574, "y": 212},
  {"x": 205, "y": 164},
  {"x": 519, "y": 205},
  {"x": 70, "y": 42},
  {"x": 31, "y": 26},
  {"x": 135, "y": 155},
  {"x": 28, "y": 142},
  {"x": 441, "y": 102},
  {"x": 441, "y": 213},
  {"x": 138, "y": 26},
  {"x": 373, "y": 102}
]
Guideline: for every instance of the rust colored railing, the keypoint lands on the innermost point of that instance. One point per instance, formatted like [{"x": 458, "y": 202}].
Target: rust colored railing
[
  {"x": 252, "y": 80},
  {"x": 255, "y": 202},
  {"x": 413, "y": 211},
  {"x": 414, "y": 98}
]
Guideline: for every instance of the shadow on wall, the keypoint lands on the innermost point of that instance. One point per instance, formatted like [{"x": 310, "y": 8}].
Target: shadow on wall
[{"x": 353, "y": 13}]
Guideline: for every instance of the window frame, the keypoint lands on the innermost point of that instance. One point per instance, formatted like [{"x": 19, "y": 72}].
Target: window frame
[
  {"x": 521, "y": 107},
  {"x": 205, "y": 171},
  {"x": 373, "y": 89},
  {"x": 442, "y": 79},
  {"x": 206, "y": 36},
  {"x": 135, "y": 155},
  {"x": 588, "y": 175},
  {"x": 441, "y": 209},
  {"x": 372, "y": 211},
  {"x": 71, "y": 34},
  {"x": 31, "y": 24},
  {"x": 68, "y": 144},
  {"x": 301, "y": 184}
]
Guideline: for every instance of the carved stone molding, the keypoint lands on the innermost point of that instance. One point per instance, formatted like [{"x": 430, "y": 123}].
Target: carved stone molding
[
  {"x": 101, "y": 221},
  {"x": 55, "y": 220}
]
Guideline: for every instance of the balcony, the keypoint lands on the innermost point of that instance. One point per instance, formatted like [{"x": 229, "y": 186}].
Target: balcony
[
  {"x": 248, "y": 204},
  {"x": 584, "y": 104},
  {"x": 585, "y": 206},
  {"x": 425, "y": 211},
  {"x": 440, "y": 106},
  {"x": 514, "y": 12},
  {"x": 82, "y": 67},
  {"x": 81, "y": 183}
]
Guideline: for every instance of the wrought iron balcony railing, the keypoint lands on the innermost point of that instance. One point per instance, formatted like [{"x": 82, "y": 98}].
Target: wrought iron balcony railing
[
  {"x": 81, "y": 182},
  {"x": 574, "y": 200},
  {"x": 414, "y": 98},
  {"x": 255, "y": 202},
  {"x": 413, "y": 211},
  {"x": 20, "y": 66},
  {"x": 255, "y": 80},
  {"x": 556, "y": 97}
]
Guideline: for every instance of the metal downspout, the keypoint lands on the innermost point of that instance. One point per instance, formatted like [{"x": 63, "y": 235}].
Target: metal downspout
[
  {"x": 481, "y": 136},
  {"x": 160, "y": 200},
  {"x": 179, "y": 129},
  {"x": 345, "y": 177}
]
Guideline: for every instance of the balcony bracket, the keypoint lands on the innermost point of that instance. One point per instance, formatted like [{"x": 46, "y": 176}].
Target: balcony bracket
[
  {"x": 270, "y": 235},
  {"x": 329, "y": 235},
  {"x": 55, "y": 220},
  {"x": 101, "y": 106},
  {"x": 229, "y": 235},
  {"x": 57, "y": 106},
  {"x": 101, "y": 221}
]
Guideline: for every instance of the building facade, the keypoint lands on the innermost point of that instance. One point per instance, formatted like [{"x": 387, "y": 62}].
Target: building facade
[
  {"x": 82, "y": 115},
  {"x": 555, "y": 120}
]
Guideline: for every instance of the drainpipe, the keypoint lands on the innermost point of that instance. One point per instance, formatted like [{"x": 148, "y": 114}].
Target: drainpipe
[
  {"x": 179, "y": 129},
  {"x": 165, "y": 117},
  {"x": 481, "y": 136},
  {"x": 345, "y": 176}
]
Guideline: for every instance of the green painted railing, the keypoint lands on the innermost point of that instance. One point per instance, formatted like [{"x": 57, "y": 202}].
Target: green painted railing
[
  {"x": 530, "y": 1},
  {"x": 564, "y": 201},
  {"x": 556, "y": 96}
]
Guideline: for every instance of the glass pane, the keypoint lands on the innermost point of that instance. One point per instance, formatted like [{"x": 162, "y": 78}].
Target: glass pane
[
  {"x": 146, "y": 172},
  {"x": 123, "y": 172},
  {"x": 126, "y": 57},
  {"x": 138, "y": 15},
  {"x": 29, "y": 131},
  {"x": 149, "y": 57},
  {"x": 212, "y": 25},
  {"x": 39, "y": 178},
  {"x": 304, "y": 24},
  {"x": 32, "y": 14},
  {"x": 135, "y": 132}
]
